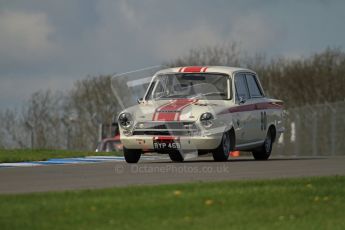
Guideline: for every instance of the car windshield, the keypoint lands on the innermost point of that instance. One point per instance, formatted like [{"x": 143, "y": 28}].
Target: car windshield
[{"x": 189, "y": 85}]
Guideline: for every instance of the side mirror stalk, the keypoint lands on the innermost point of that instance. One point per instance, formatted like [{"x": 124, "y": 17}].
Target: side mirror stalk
[
  {"x": 242, "y": 100},
  {"x": 140, "y": 100}
]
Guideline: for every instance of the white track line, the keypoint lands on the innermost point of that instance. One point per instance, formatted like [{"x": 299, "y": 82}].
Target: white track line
[{"x": 76, "y": 160}]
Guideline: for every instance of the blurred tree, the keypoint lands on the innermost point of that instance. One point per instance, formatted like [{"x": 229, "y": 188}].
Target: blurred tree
[
  {"x": 12, "y": 132},
  {"x": 41, "y": 116},
  {"x": 92, "y": 102}
]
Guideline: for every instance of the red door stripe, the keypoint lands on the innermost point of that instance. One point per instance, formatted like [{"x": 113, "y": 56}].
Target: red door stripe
[{"x": 252, "y": 107}]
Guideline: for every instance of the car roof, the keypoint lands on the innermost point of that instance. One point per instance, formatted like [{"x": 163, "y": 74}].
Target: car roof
[{"x": 205, "y": 69}]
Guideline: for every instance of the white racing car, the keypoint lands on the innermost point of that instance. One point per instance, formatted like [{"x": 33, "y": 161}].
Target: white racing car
[{"x": 211, "y": 109}]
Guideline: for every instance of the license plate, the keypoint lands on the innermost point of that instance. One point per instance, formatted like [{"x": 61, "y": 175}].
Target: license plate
[{"x": 166, "y": 145}]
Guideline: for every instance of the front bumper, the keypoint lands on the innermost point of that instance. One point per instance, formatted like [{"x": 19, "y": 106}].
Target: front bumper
[{"x": 145, "y": 142}]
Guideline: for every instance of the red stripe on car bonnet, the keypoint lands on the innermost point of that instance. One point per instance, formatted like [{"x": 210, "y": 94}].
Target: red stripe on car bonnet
[{"x": 172, "y": 110}]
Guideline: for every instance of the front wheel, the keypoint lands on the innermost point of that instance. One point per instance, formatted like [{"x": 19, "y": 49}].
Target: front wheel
[
  {"x": 131, "y": 155},
  {"x": 222, "y": 152},
  {"x": 176, "y": 156},
  {"x": 264, "y": 152}
]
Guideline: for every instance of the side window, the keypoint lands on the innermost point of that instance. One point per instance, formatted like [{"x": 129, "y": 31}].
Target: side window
[
  {"x": 254, "y": 89},
  {"x": 149, "y": 92},
  {"x": 241, "y": 87},
  {"x": 159, "y": 90}
]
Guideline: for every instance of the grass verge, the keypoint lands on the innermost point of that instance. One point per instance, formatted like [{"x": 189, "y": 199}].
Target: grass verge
[
  {"x": 309, "y": 203},
  {"x": 20, "y": 155}
]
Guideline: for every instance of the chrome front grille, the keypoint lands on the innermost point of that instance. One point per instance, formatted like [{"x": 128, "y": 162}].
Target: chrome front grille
[{"x": 178, "y": 128}]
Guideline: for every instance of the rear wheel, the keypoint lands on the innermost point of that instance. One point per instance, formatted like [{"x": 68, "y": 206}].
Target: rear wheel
[
  {"x": 264, "y": 152},
  {"x": 222, "y": 152},
  {"x": 131, "y": 155},
  {"x": 176, "y": 156}
]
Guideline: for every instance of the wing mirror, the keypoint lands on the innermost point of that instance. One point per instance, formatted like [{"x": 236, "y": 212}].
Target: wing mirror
[
  {"x": 140, "y": 100},
  {"x": 242, "y": 100}
]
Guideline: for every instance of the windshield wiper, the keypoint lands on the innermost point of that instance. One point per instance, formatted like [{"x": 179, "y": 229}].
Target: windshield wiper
[
  {"x": 172, "y": 96},
  {"x": 212, "y": 93}
]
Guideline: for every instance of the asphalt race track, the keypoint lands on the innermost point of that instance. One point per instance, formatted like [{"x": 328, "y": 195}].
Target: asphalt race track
[{"x": 110, "y": 174}]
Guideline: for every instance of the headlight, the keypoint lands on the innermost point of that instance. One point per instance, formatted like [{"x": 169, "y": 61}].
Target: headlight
[
  {"x": 206, "y": 119},
  {"x": 125, "y": 120}
]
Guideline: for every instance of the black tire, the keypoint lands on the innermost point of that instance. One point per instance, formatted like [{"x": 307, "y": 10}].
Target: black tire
[
  {"x": 264, "y": 152},
  {"x": 131, "y": 155},
  {"x": 222, "y": 152},
  {"x": 176, "y": 156},
  {"x": 203, "y": 152}
]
